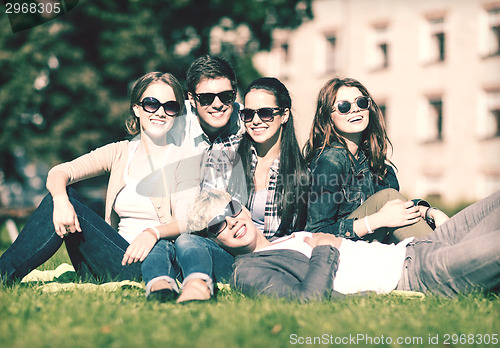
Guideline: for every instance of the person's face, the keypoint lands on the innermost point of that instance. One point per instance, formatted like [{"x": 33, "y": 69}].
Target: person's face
[
  {"x": 356, "y": 119},
  {"x": 215, "y": 116},
  {"x": 240, "y": 234},
  {"x": 156, "y": 124},
  {"x": 263, "y": 132}
]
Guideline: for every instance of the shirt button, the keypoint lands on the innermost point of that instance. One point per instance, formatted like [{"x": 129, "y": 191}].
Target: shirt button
[{"x": 348, "y": 234}]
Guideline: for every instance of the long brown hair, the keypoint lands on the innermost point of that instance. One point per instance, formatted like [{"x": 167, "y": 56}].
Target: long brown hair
[{"x": 375, "y": 142}]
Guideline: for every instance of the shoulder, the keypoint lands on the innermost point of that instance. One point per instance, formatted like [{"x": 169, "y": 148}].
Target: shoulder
[{"x": 332, "y": 157}]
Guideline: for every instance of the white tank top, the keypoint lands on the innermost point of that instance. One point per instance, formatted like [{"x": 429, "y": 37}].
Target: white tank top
[{"x": 136, "y": 211}]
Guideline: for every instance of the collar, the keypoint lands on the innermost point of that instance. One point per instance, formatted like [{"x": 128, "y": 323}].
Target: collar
[
  {"x": 234, "y": 127},
  {"x": 274, "y": 167}
]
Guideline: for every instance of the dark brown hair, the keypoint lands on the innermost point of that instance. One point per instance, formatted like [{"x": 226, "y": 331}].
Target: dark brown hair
[{"x": 375, "y": 142}]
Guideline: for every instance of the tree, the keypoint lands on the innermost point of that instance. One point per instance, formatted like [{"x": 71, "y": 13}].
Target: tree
[{"x": 64, "y": 83}]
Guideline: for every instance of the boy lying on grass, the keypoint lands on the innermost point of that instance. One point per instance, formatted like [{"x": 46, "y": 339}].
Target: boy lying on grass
[{"x": 461, "y": 255}]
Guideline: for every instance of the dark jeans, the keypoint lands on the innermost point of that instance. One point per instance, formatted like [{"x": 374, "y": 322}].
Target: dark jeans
[
  {"x": 460, "y": 256},
  {"x": 95, "y": 252}
]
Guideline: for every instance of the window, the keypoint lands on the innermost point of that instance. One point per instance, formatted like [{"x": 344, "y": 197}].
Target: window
[
  {"x": 331, "y": 53},
  {"x": 489, "y": 115},
  {"x": 436, "y": 117},
  {"x": 279, "y": 63},
  {"x": 437, "y": 40},
  {"x": 379, "y": 48},
  {"x": 490, "y": 38},
  {"x": 430, "y": 120},
  {"x": 433, "y": 40}
]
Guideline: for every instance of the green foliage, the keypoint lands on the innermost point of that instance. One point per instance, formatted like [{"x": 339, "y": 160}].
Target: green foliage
[{"x": 64, "y": 84}]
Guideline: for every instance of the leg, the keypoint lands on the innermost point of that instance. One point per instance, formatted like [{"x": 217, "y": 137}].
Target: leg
[
  {"x": 98, "y": 246},
  {"x": 161, "y": 266},
  {"x": 36, "y": 243},
  {"x": 463, "y": 224},
  {"x": 394, "y": 234},
  {"x": 202, "y": 258},
  {"x": 471, "y": 262}
]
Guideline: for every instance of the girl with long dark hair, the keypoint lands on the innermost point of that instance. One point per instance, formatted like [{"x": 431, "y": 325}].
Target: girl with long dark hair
[{"x": 276, "y": 173}]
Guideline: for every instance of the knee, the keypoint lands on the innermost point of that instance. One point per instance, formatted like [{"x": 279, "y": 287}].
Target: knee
[
  {"x": 186, "y": 239},
  {"x": 390, "y": 194}
]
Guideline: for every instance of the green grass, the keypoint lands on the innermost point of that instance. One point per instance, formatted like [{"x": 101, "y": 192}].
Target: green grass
[{"x": 30, "y": 318}]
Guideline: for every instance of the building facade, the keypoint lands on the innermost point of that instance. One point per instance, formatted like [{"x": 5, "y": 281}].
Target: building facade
[{"x": 434, "y": 68}]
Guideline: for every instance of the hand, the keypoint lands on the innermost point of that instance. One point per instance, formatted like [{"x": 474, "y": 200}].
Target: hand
[
  {"x": 323, "y": 239},
  {"x": 140, "y": 248},
  {"x": 64, "y": 217},
  {"x": 438, "y": 216},
  {"x": 397, "y": 213}
]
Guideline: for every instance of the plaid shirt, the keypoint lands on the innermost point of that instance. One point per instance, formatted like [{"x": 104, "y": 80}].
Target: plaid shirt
[
  {"x": 271, "y": 219},
  {"x": 221, "y": 163}
]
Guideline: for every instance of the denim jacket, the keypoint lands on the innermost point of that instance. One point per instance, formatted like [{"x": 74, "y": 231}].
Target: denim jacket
[{"x": 339, "y": 187}]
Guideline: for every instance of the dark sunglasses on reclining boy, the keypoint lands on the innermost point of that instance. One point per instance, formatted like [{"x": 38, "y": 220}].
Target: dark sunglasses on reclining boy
[
  {"x": 219, "y": 223},
  {"x": 344, "y": 106},
  {"x": 205, "y": 99},
  {"x": 151, "y": 105}
]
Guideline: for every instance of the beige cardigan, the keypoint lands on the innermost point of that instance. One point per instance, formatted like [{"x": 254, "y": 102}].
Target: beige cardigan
[{"x": 182, "y": 175}]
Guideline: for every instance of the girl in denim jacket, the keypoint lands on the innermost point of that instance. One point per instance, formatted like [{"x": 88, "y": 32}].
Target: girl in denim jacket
[{"x": 354, "y": 189}]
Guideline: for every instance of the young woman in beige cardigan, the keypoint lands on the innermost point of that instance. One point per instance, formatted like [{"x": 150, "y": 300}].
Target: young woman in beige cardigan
[{"x": 151, "y": 183}]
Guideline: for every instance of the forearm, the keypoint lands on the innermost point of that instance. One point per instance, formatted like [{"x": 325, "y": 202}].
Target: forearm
[
  {"x": 368, "y": 224},
  {"x": 167, "y": 231},
  {"x": 56, "y": 184}
]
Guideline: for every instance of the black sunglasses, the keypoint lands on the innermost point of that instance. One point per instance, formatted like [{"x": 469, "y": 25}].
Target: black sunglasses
[
  {"x": 151, "y": 105},
  {"x": 219, "y": 223},
  {"x": 344, "y": 106},
  {"x": 226, "y": 97},
  {"x": 265, "y": 114}
]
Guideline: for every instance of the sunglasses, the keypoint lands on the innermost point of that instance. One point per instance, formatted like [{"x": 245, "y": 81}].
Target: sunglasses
[
  {"x": 226, "y": 97},
  {"x": 265, "y": 114},
  {"x": 151, "y": 105},
  {"x": 219, "y": 223},
  {"x": 344, "y": 106}
]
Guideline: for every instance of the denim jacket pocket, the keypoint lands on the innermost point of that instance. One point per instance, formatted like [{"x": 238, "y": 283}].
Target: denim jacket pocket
[{"x": 353, "y": 196}]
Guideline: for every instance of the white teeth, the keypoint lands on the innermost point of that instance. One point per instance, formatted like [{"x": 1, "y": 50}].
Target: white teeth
[
  {"x": 158, "y": 122},
  {"x": 240, "y": 231},
  {"x": 358, "y": 118}
]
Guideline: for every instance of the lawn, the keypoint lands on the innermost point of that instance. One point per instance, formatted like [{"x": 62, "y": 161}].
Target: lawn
[{"x": 123, "y": 318}]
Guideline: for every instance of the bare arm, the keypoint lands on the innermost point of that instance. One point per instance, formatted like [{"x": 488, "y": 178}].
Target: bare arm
[
  {"x": 394, "y": 213},
  {"x": 64, "y": 216}
]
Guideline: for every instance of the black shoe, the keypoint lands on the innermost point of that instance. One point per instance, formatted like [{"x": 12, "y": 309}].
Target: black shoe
[{"x": 163, "y": 295}]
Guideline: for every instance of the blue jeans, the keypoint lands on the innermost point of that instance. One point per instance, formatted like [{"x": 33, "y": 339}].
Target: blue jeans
[
  {"x": 460, "y": 256},
  {"x": 161, "y": 264},
  {"x": 96, "y": 252},
  {"x": 201, "y": 257}
]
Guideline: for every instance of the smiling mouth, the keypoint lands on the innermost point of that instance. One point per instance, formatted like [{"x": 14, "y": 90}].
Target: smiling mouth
[
  {"x": 158, "y": 122},
  {"x": 241, "y": 232},
  {"x": 217, "y": 114},
  {"x": 356, "y": 119},
  {"x": 258, "y": 129}
]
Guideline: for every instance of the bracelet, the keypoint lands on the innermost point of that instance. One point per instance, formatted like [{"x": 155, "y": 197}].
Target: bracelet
[
  {"x": 155, "y": 231},
  {"x": 370, "y": 231},
  {"x": 429, "y": 219}
]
